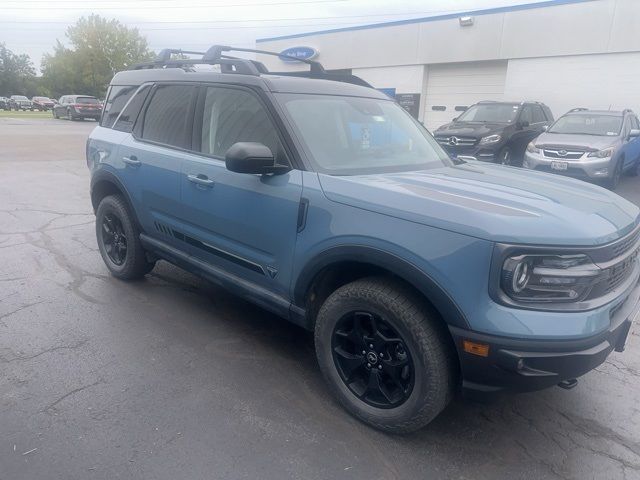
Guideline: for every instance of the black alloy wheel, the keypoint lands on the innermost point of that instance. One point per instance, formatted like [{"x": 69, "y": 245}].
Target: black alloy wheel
[
  {"x": 372, "y": 360},
  {"x": 114, "y": 239}
]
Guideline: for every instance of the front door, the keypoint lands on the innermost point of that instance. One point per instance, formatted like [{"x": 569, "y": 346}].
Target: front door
[{"x": 243, "y": 223}]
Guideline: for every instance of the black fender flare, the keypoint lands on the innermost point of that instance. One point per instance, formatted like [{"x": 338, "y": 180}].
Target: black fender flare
[
  {"x": 407, "y": 271},
  {"x": 102, "y": 176}
]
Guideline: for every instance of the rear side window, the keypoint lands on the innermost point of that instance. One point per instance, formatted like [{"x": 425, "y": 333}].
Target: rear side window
[
  {"x": 132, "y": 110},
  {"x": 116, "y": 100},
  {"x": 165, "y": 120}
]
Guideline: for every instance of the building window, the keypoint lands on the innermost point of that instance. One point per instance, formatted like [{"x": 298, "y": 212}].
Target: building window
[
  {"x": 439, "y": 108},
  {"x": 461, "y": 108}
]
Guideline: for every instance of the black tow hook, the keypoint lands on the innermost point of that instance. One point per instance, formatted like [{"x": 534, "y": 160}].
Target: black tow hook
[{"x": 568, "y": 384}]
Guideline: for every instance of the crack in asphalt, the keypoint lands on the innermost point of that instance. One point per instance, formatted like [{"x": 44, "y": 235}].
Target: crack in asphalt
[
  {"x": 48, "y": 350},
  {"x": 52, "y": 405},
  {"x": 19, "y": 309}
]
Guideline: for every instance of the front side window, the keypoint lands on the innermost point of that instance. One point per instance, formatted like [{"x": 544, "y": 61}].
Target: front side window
[
  {"x": 491, "y": 113},
  {"x": 588, "y": 124},
  {"x": 233, "y": 115},
  {"x": 165, "y": 120},
  {"x": 537, "y": 114},
  {"x": 353, "y": 135}
]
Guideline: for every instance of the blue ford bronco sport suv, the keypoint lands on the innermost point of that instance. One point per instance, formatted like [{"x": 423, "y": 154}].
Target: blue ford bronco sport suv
[{"x": 322, "y": 200}]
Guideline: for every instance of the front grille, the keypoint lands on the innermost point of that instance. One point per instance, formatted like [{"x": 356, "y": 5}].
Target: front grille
[
  {"x": 619, "y": 273},
  {"x": 622, "y": 246},
  {"x": 618, "y": 260},
  {"x": 563, "y": 154},
  {"x": 454, "y": 141}
]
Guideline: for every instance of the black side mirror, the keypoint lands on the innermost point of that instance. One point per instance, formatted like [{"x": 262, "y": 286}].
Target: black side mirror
[{"x": 252, "y": 157}]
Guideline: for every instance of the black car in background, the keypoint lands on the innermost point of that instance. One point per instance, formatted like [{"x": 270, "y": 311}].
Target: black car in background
[
  {"x": 494, "y": 131},
  {"x": 42, "y": 103},
  {"x": 4, "y": 103},
  {"x": 78, "y": 107},
  {"x": 19, "y": 102}
]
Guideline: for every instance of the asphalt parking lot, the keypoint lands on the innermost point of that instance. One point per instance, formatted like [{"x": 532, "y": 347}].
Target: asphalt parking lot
[{"x": 173, "y": 378}]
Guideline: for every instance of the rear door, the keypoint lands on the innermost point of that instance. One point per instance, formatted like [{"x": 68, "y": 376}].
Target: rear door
[
  {"x": 151, "y": 157},
  {"x": 243, "y": 223}
]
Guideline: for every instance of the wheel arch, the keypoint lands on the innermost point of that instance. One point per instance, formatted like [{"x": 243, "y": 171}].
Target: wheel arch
[
  {"x": 105, "y": 183},
  {"x": 339, "y": 265}
]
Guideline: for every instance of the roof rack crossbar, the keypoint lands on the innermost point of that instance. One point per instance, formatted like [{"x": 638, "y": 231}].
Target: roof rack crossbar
[
  {"x": 217, "y": 55},
  {"x": 216, "y": 52},
  {"x": 227, "y": 65}
]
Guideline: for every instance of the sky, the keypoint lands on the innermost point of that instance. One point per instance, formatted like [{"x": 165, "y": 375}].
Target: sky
[{"x": 33, "y": 26}]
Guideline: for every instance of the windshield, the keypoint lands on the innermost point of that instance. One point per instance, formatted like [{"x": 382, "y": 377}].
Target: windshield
[
  {"x": 491, "y": 113},
  {"x": 353, "y": 135},
  {"x": 586, "y": 124},
  {"x": 89, "y": 100},
  {"x": 19, "y": 97}
]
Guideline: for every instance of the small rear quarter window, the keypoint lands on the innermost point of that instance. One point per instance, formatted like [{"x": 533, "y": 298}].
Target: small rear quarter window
[{"x": 116, "y": 100}]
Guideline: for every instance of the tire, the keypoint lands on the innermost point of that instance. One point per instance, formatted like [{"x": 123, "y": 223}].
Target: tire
[
  {"x": 614, "y": 181},
  {"x": 505, "y": 156},
  {"x": 428, "y": 370},
  {"x": 133, "y": 263},
  {"x": 53, "y": 112}
]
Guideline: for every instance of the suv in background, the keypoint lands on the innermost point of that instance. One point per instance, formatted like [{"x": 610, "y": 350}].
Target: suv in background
[
  {"x": 19, "y": 102},
  {"x": 42, "y": 103},
  {"x": 325, "y": 202},
  {"x": 595, "y": 145},
  {"x": 77, "y": 107},
  {"x": 494, "y": 131}
]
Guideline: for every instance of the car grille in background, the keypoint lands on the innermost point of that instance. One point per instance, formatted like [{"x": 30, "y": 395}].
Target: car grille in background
[
  {"x": 563, "y": 154},
  {"x": 453, "y": 141}
]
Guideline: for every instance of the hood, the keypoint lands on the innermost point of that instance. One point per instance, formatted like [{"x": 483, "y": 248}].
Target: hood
[
  {"x": 470, "y": 129},
  {"x": 584, "y": 142},
  {"x": 493, "y": 202}
]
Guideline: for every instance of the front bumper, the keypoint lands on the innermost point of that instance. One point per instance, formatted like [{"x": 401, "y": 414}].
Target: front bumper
[
  {"x": 485, "y": 153},
  {"x": 584, "y": 168},
  {"x": 523, "y": 365}
]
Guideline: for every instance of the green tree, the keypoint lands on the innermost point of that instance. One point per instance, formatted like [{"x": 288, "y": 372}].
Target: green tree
[
  {"x": 98, "y": 49},
  {"x": 17, "y": 75}
]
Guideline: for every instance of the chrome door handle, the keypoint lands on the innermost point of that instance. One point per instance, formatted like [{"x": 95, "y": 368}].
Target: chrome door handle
[
  {"x": 132, "y": 160},
  {"x": 200, "y": 180}
]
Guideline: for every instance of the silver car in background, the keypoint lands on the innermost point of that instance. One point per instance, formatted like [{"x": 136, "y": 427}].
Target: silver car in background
[{"x": 593, "y": 145}]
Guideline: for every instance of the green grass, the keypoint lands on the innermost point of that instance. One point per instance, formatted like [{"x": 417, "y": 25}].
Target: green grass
[{"x": 27, "y": 114}]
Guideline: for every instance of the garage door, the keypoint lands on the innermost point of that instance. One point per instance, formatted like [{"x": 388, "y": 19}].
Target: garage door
[
  {"x": 609, "y": 81},
  {"x": 452, "y": 87}
]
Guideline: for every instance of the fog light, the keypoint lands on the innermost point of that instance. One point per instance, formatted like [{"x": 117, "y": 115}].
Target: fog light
[{"x": 603, "y": 172}]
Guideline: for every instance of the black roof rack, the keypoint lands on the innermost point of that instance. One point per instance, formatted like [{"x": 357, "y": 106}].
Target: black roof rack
[
  {"x": 228, "y": 64},
  {"x": 578, "y": 109}
]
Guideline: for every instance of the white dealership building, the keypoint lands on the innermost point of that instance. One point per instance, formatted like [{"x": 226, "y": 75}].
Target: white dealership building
[{"x": 565, "y": 53}]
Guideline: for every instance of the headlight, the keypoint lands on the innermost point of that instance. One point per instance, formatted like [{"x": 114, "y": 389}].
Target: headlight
[
  {"x": 532, "y": 148},
  {"x": 607, "y": 152},
  {"x": 535, "y": 279},
  {"x": 490, "y": 139}
]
